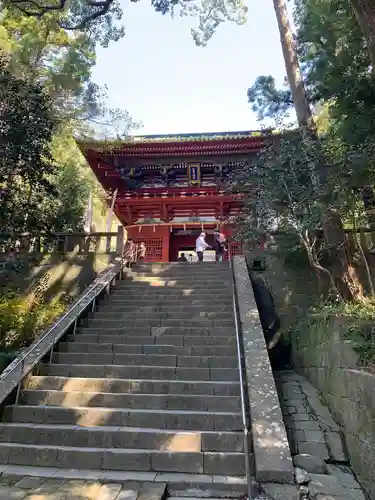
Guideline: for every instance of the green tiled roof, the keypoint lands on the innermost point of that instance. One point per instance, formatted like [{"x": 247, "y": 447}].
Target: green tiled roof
[{"x": 169, "y": 138}]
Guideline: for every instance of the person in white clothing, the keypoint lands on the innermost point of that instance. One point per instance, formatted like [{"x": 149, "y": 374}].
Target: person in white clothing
[{"x": 201, "y": 246}]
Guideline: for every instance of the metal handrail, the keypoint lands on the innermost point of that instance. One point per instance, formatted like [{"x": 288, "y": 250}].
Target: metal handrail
[
  {"x": 14, "y": 374},
  {"x": 245, "y": 421}
]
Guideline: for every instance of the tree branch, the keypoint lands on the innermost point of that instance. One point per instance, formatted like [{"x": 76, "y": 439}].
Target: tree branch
[
  {"x": 99, "y": 8},
  {"x": 42, "y": 9}
]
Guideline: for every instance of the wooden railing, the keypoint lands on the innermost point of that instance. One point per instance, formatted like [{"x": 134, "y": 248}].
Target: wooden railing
[{"x": 27, "y": 243}]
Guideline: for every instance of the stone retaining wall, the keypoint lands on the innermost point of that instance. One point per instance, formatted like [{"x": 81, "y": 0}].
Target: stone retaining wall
[
  {"x": 330, "y": 363},
  {"x": 59, "y": 274}
]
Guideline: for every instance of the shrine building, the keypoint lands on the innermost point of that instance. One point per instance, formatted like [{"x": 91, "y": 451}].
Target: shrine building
[{"x": 167, "y": 189}]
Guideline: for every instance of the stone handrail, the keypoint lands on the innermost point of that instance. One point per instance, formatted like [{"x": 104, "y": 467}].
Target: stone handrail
[
  {"x": 14, "y": 374},
  {"x": 245, "y": 410},
  {"x": 273, "y": 461}
]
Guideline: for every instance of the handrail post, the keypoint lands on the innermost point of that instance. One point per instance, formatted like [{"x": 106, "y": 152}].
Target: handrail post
[
  {"x": 51, "y": 354},
  {"x": 75, "y": 326},
  {"x": 120, "y": 240},
  {"x": 20, "y": 382}
]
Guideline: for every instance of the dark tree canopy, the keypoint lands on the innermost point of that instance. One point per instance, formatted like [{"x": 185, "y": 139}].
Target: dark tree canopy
[
  {"x": 27, "y": 125},
  {"x": 266, "y": 100}
]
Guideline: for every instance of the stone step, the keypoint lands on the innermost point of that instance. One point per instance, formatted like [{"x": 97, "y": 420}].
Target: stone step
[
  {"x": 228, "y": 340},
  {"x": 177, "y": 281},
  {"x": 133, "y": 386},
  {"x": 190, "y": 489},
  {"x": 157, "y": 331},
  {"x": 166, "y": 307},
  {"x": 166, "y": 300},
  {"x": 161, "y": 322},
  {"x": 207, "y": 486},
  {"x": 136, "y": 401},
  {"x": 190, "y": 299},
  {"x": 121, "y": 437},
  {"x": 140, "y": 372},
  {"x": 155, "y": 280},
  {"x": 174, "y": 286},
  {"x": 159, "y": 286},
  {"x": 187, "y": 293},
  {"x": 160, "y": 300},
  {"x": 179, "y": 271},
  {"x": 122, "y": 459},
  {"x": 163, "y": 360},
  {"x": 179, "y": 265},
  {"x": 184, "y": 313},
  {"x": 125, "y": 417},
  {"x": 149, "y": 348},
  {"x": 43, "y": 486},
  {"x": 219, "y": 285}
]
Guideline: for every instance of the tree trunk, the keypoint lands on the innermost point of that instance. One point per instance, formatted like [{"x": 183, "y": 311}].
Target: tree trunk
[
  {"x": 297, "y": 86},
  {"x": 368, "y": 198},
  {"x": 344, "y": 274},
  {"x": 364, "y": 11}
]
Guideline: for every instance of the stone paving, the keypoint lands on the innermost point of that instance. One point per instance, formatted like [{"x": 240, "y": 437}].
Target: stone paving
[
  {"x": 322, "y": 467},
  {"x": 38, "y": 488}
]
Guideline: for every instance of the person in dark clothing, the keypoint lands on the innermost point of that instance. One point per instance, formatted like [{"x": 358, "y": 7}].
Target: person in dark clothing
[
  {"x": 182, "y": 258},
  {"x": 219, "y": 245}
]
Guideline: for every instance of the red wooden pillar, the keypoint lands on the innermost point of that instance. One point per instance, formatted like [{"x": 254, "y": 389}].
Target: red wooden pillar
[{"x": 166, "y": 244}]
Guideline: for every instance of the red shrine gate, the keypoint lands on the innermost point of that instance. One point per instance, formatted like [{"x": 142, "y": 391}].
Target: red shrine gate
[
  {"x": 163, "y": 244},
  {"x": 168, "y": 189}
]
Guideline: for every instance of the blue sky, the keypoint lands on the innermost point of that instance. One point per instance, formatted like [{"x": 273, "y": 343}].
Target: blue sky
[{"x": 158, "y": 74}]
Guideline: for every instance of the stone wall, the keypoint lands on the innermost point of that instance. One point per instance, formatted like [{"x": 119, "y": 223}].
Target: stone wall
[
  {"x": 58, "y": 274},
  {"x": 330, "y": 363},
  {"x": 69, "y": 274}
]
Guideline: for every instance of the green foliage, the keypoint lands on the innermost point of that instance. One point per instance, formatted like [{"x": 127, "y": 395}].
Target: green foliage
[
  {"x": 51, "y": 191},
  {"x": 289, "y": 193},
  {"x": 356, "y": 322},
  {"x": 42, "y": 51},
  {"x": 99, "y": 23},
  {"x": 336, "y": 64},
  {"x": 268, "y": 101},
  {"x": 99, "y": 20},
  {"x": 22, "y": 318},
  {"x": 27, "y": 127},
  {"x": 211, "y": 14}
]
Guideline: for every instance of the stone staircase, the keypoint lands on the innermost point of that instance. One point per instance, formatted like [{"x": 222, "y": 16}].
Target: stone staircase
[{"x": 148, "y": 388}]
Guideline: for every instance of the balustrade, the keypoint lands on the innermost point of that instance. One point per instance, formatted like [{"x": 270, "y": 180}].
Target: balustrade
[{"x": 42, "y": 243}]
